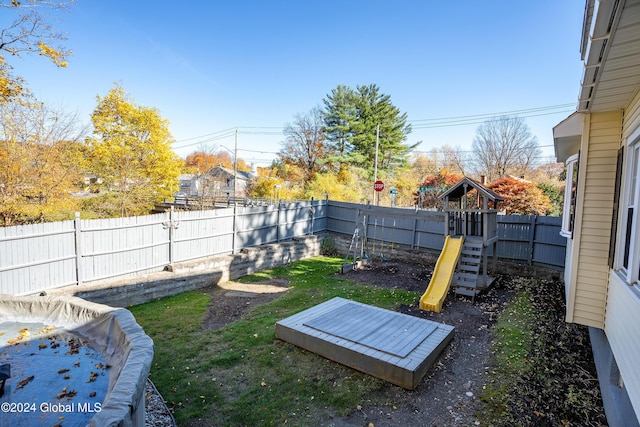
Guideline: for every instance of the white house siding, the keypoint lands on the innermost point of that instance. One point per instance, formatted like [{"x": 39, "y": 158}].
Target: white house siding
[
  {"x": 590, "y": 270},
  {"x": 567, "y": 270},
  {"x": 622, "y": 321},
  {"x": 622, "y": 327},
  {"x": 631, "y": 117}
]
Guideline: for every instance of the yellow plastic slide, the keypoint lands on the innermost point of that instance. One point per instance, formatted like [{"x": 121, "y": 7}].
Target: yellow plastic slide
[{"x": 443, "y": 273}]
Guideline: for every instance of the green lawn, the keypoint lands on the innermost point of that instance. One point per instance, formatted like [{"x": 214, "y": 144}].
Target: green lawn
[
  {"x": 217, "y": 375},
  {"x": 541, "y": 369}
]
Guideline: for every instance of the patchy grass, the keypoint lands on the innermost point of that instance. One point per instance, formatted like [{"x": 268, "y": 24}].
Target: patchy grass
[
  {"x": 217, "y": 375},
  {"x": 544, "y": 373},
  {"x": 510, "y": 352}
]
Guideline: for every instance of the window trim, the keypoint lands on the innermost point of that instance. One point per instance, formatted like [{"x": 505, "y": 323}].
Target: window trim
[
  {"x": 630, "y": 199},
  {"x": 615, "y": 214},
  {"x": 570, "y": 203}
]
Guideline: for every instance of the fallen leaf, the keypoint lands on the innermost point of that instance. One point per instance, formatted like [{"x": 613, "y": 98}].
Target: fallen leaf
[
  {"x": 93, "y": 377},
  {"x": 24, "y": 382},
  {"x": 62, "y": 394}
]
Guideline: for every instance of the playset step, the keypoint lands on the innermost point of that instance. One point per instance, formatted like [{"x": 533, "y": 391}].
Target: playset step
[{"x": 469, "y": 279}]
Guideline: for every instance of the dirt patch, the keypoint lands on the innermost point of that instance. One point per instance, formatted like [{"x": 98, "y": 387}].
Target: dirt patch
[
  {"x": 447, "y": 395},
  {"x": 232, "y": 300}
]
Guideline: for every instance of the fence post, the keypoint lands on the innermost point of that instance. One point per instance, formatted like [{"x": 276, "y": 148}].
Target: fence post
[
  {"x": 78, "y": 238},
  {"x": 233, "y": 236},
  {"x": 313, "y": 216},
  {"x": 415, "y": 228},
  {"x": 171, "y": 236},
  {"x": 278, "y": 222},
  {"x": 532, "y": 233}
]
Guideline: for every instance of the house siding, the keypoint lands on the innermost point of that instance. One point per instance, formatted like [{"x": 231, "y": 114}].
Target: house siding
[
  {"x": 622, "y": 328},
  {"x": 590, "y": 270},
  {"x": 622, "y": 321}
]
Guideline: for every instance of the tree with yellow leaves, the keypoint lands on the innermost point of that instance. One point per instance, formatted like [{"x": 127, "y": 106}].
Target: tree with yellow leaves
[
  {"x": 131, "y": 152},
  {"x": 28, "y": 32},
  {"x": 41, "y": 158}
]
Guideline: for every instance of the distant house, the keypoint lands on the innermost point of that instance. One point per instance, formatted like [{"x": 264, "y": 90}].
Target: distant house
[
  {"x": 600, "y": 144},
  {"x": 188, "y": 185},
  {"x": 223, "y": 181},
  {"x": 216, "y": 182}
]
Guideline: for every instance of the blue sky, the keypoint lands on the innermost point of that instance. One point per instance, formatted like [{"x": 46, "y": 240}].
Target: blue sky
[{"x": 210, "y": 66}]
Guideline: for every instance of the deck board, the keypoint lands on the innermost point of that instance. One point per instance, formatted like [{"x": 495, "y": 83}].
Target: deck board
[{"x": 393, "y": 346}]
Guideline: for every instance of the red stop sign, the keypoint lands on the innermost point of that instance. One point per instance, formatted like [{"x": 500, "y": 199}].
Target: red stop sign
[{"x": 378, "y": 185}]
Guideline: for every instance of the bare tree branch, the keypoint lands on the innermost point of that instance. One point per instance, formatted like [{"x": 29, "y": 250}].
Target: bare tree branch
[
  {"x": 304, "y": 142},
  {"x": 504, "y": 145},
  {"x": 31, "y": 31}
]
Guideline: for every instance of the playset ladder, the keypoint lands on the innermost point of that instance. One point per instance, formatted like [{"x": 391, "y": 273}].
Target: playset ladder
[{"x": 468, "y": 278}]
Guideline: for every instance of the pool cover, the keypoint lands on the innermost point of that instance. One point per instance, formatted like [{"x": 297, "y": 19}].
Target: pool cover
[{"x": 114, "y": 345}]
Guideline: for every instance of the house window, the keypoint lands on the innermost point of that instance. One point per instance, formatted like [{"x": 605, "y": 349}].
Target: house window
[
  {"x": 570, "y": 196},
  {"x": 630, "y": 208}
]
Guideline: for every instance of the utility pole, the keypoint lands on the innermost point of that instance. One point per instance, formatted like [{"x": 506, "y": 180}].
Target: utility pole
[
  {"x": 235, "y": 167},
  {"x": 235, "y": 188},
  {"x": 375, "y": 166}
]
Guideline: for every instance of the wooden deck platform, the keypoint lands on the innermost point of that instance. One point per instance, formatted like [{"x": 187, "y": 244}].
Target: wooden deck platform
[{"x": 392, "y": 346}]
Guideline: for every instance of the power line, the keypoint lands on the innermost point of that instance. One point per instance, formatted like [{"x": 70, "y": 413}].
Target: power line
[
  {"x": 416, "y": 124},
  {"x": 260, "y": 133},
  {"x": 258, "y": 151},
  {"x": 500, "y": 113},
  {"x": 440, "y": 125},
  {"x": 467, "y": 161},
  {"x": 439, "y": 150},
  {"x": 471, "y": 120},
  {"x": 204, "y": 136},
  {"x": 210, "y": 139},
  {"x": 231, "y": 131}
]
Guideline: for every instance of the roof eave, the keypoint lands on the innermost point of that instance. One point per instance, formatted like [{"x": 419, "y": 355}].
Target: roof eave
[{"x": 567, "y": 136}]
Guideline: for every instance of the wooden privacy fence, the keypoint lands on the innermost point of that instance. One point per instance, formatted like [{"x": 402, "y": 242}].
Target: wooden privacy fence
[
  {"x": 37, "y": 257},
  {"x": 534, "y": 240},
  {"x": 391, "y": 226}
]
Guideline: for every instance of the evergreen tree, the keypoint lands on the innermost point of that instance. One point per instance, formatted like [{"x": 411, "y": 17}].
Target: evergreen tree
[
  {"x": 339, "y": 115},
  {"x": 354, "y": 119}
]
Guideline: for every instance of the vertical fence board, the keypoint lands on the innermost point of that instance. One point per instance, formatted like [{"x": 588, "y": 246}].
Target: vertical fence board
[
  {"x": 205, "y": 233},
  {"x": 36, "y": 256},
  {"x": 549, "y": 246},
  {"x": 120, "y": 246}
]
